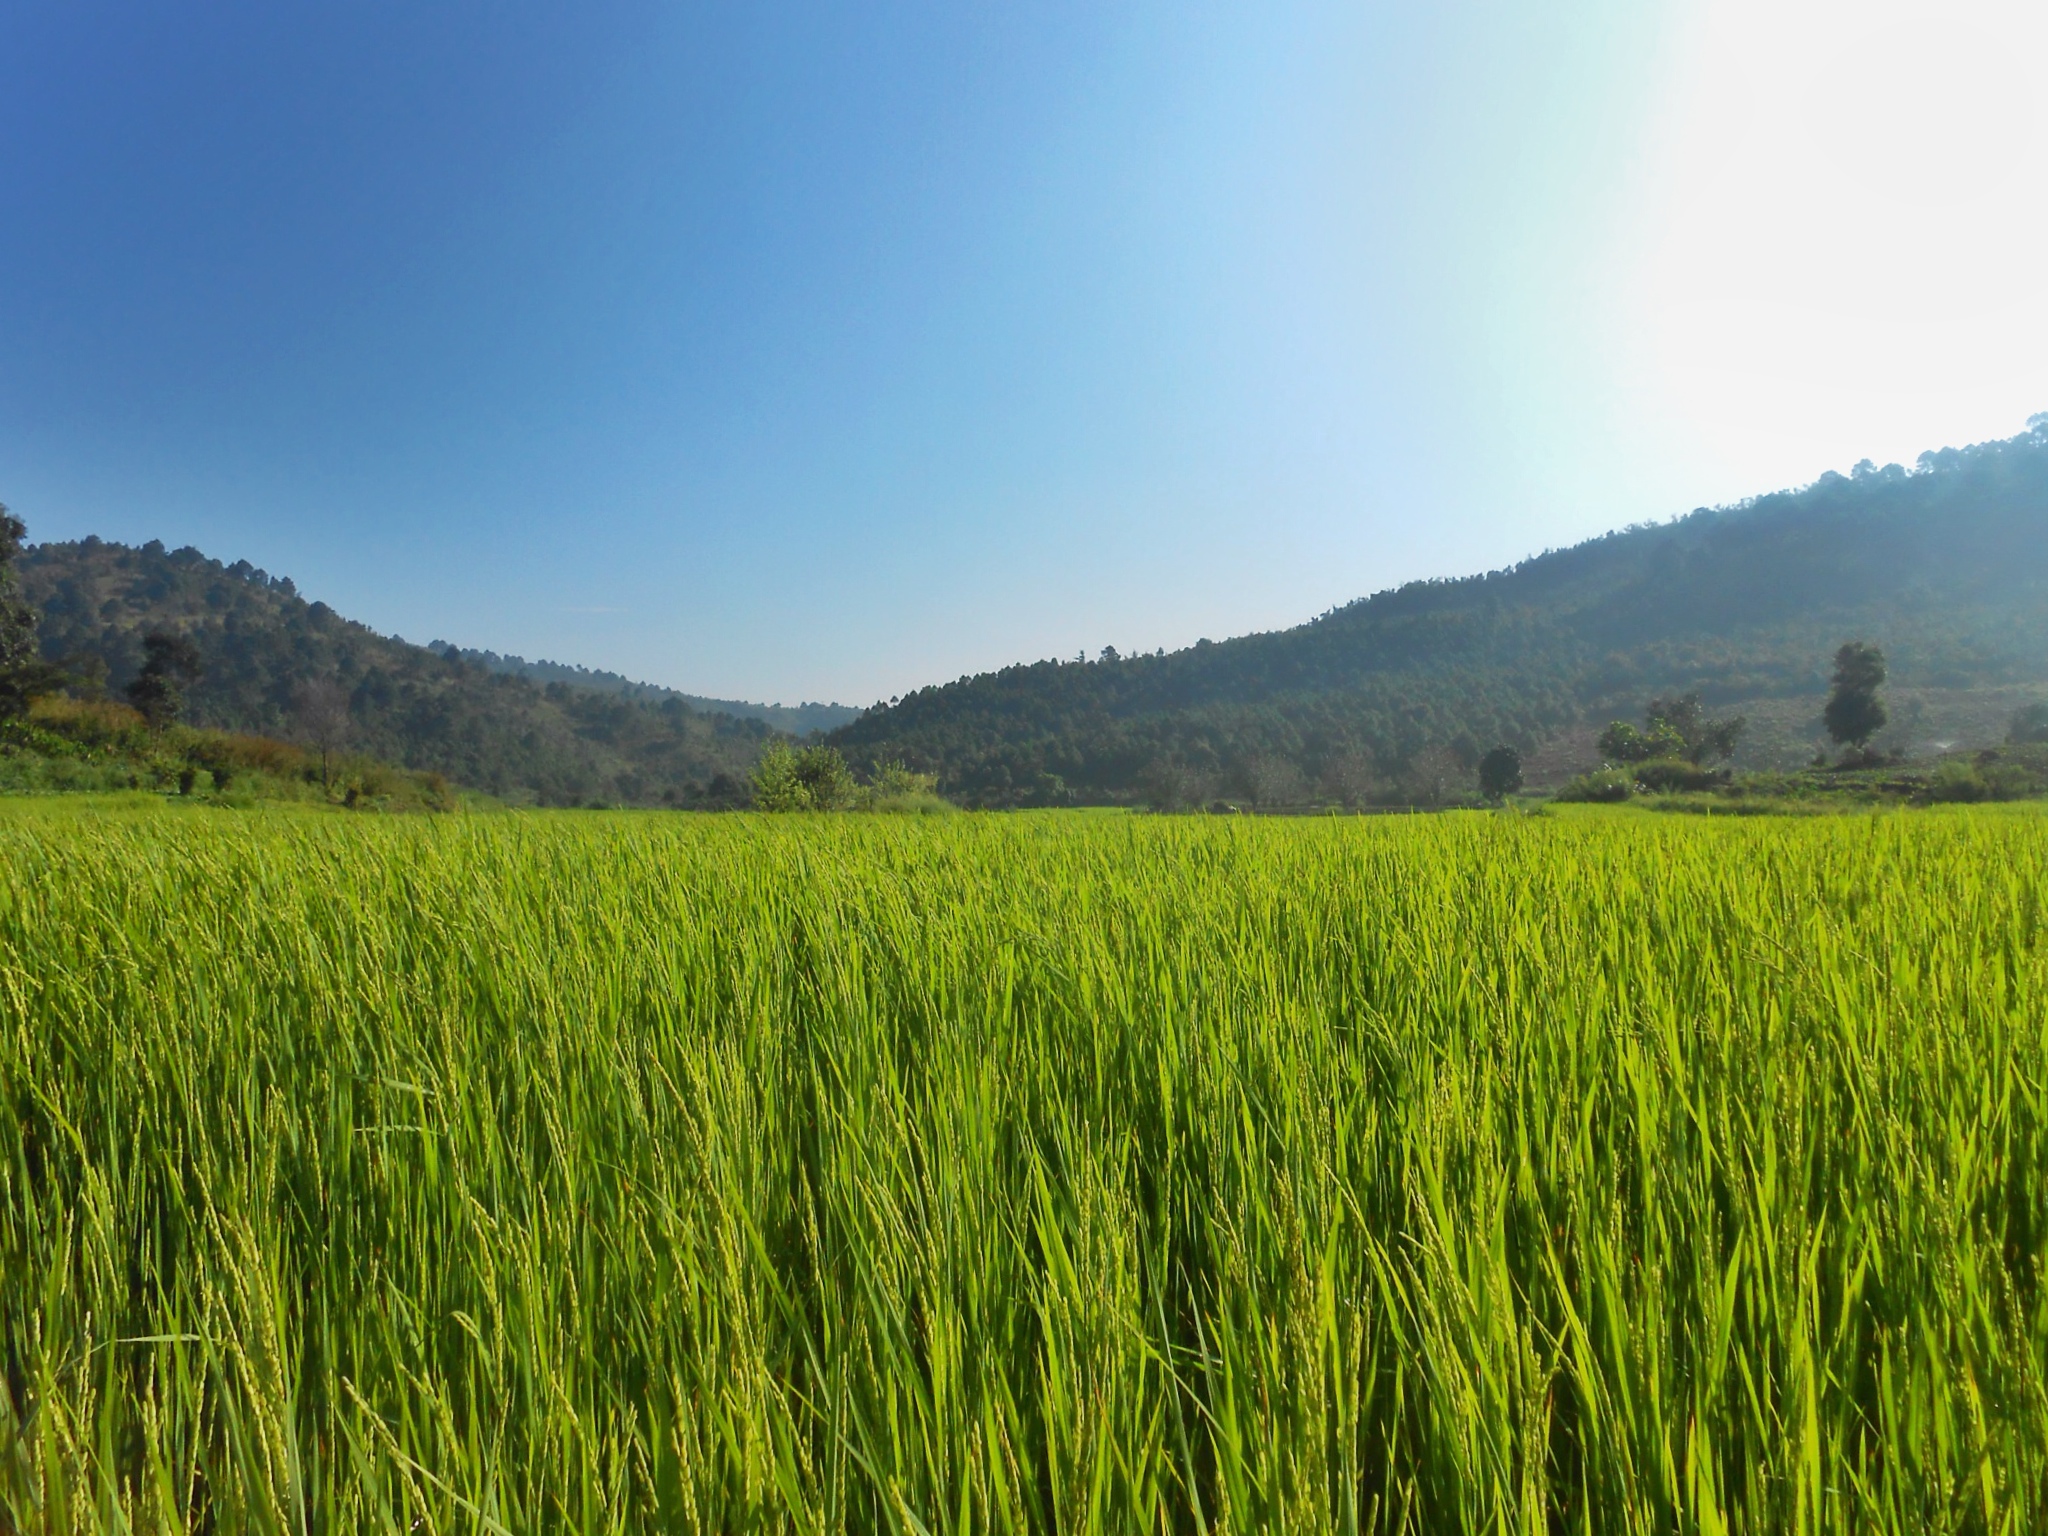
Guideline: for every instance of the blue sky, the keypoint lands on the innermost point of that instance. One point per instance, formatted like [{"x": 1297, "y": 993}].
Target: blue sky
[{"x": 812, "y": 350}]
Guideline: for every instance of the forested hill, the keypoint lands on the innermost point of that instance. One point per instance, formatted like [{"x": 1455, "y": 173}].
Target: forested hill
[
  {"x": 797, "y": 719},
  {"x": 261, "y": 644},
  {"x": 1945, "y": 566}
]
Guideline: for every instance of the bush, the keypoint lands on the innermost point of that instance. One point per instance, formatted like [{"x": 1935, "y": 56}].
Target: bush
[
  {"x": 218, "y": 750},
  {"x": 899, "y": 791},
  {"x": 1994, "y": 775},
  {"x": 1603, "y": 786},
  {"x": 1665, "y": 775},
  {"x": 802, "y": 779},
  {"x": 97, "y": 724},
  {"x": 35, "y": 775},
  {"x": 1957, "y": 783},
  {"x": 1622, "y": 743}
]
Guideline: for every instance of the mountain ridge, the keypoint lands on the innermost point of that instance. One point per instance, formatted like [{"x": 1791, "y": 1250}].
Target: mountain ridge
[
  {"x": 1946, "y": 564},
  {"x": 797, "y": 719},
  {"x": 261, "y": 644}
]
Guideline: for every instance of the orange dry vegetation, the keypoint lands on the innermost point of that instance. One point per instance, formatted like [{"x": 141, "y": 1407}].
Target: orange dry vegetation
[
  {"x": 95, "y": 722},
  {"x": 257, "y": 752}
]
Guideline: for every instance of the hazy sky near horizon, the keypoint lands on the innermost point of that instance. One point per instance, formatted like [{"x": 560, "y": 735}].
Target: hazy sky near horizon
[{"x": 809, "y": 350}]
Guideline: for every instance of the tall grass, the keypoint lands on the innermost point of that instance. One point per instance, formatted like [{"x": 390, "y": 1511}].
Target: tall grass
[{"x": 1045, "y": 1173}]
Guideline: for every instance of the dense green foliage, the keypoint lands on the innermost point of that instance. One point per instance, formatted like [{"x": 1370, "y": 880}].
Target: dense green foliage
[
  {"x": 1945, "y": 567},
  {"x": 157, "y": 691},
  {"x": 1673, "y": 728},
  {"x": 1500, "y": 773},
  {"x": 1855, "y": 709},
  {"x": 1079, "y": 1173},
  {"x": 23, "y": 674},
  {"x": 812, "y": 778},
  {"x": 259, "y": 644},
  {"x": 816, "y": 778}
]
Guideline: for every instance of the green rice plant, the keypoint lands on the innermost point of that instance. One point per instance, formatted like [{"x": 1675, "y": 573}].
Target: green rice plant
[{"x": 617, "y": 1173}]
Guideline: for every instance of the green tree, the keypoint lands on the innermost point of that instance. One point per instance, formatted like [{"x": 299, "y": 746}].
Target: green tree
[
  {"x": 1500, "y": 773},
  {"x": 1676, "y": 726},
  {"x": 1705, "y": 740},
  {"x": 158, "y": 690},
  {"x": 1621, "y": 743},
  {"x": 23, "y": 674},
  {"x": 1854, "y": 712},
  {"x": 802, "y": 779}
]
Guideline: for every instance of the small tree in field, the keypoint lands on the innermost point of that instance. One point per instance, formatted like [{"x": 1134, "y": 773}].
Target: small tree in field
[
  {"x": 1854, "y": 712},
  {"x": 802, "y": 779},
  {"x": 1437, "y": 776},
  {"x": 1500, "y": 773},
  {"x": 1267, "y": 780},
  {"x": 1171, "y": 786},
  {"x": 24, "y": 675},
  {"x": 320, "y": 714},
  {"x": 1675, "y": 727},
  {"x": 158, "y": 690},
  {"x": 1350, "y": 779}
]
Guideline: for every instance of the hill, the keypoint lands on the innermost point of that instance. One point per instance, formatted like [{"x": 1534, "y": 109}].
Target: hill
[
  {"x": 261, "y": 643},
  {"x": 1944, "y": 565},
  {"x": 1392, "y": 696},
  {"x": 797, "y": 719}
]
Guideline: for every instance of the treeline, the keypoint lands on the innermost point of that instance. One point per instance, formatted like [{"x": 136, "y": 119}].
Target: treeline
[
  {"x": 258, "y": 645},
  {"x": 1946, "y": 565}
]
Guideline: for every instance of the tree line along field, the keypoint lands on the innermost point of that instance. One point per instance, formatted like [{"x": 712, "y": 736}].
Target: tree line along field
[{"x": 1046, "y": 1173}]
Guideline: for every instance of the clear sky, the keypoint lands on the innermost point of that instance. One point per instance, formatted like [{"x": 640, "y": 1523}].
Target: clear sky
[{"x": 801, "y": 350}]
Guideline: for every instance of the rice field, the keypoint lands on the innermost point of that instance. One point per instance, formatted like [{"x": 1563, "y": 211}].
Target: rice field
[{"x": 1051, "y": 1173}]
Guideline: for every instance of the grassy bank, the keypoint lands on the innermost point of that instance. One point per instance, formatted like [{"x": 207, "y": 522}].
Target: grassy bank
[
  {"x": 540, "y": 1172},
  {"x": 96, "y": 747}
]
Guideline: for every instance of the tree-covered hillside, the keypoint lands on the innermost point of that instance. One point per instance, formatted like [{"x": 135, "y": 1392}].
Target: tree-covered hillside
[
  {"x": 797, "y": 719},
  {"x": 1945, "y": 566},
  {"x": 260, "y": 645}
]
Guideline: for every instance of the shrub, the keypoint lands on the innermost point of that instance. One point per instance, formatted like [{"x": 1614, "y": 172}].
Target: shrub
[
  {"x": 1603, "y": 786},
  {"x": 219, "y": 749},
  {"x": 1673, "y": 773},
  {"x": 896, "y": 789},
  {"x": 1623, "y": 743},
  {"x": 802, "y": 779},
  {"x": 1957, "y": 782},
  {"x": 1996, "y": 774},
  {"x": 99, "y": 724}
]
